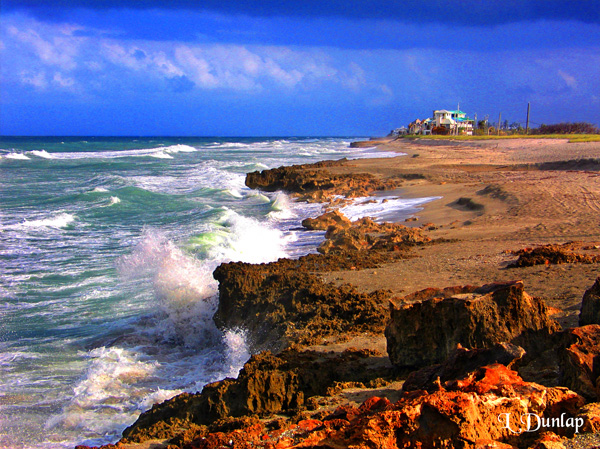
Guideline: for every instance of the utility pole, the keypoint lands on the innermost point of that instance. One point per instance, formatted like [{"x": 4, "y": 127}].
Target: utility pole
[
  {"x": 476, "y": 127},
  {"x": 499, "y": 121},
  {"x": 527, "y": 126}
]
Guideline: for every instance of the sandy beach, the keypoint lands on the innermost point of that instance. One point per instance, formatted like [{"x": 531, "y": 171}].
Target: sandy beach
[
  {"x": 524, "y": 205},
  {"x": 325, "y": 374}
]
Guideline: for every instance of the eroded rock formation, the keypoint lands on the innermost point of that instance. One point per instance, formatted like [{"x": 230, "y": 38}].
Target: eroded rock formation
[
  {"x": 590, "y": 305},
  {"x": 463, "y": 414},
  {"x": 365, "y": 234},
  {"x": 580, "y": 360},
  {"x": 551, "y": 254},
  {"x": 266, "y": 385},
  {"x": 427, "y": 332},
  {"x": 279, "y": 304},
  {"x": 312, "y": 182}
]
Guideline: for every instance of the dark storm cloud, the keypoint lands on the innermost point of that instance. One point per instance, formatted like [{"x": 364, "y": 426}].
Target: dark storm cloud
[{"x": 466, "y": 12}]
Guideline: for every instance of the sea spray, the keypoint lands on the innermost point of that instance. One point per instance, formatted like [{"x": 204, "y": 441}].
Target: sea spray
[
  {"x": 184, "y": 289},
  {"x": 249, "y": 240},
  {"x": 281, "y": 207}
]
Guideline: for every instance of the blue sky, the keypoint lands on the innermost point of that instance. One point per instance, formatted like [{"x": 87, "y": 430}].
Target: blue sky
[{"x": 252, "y": 68}]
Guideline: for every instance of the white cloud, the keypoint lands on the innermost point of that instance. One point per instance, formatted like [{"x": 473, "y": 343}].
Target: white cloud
[
  {"x": 196, "y": 67},
  {"x": 355, "y": 77},
  {"x": 60, "y": 49},
  {"x": 62, "y": 81},
  {"x": 568, "y": 79},
  {"x": 95, "y": 64},
  {"x": 37, "y": 80}
]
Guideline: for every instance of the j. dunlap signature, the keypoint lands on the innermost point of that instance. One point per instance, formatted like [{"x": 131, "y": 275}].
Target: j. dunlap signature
[{"x": 532, "y": 422}]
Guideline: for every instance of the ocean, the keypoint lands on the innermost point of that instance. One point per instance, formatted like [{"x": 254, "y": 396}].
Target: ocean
[{"x": 107, "y": 248}]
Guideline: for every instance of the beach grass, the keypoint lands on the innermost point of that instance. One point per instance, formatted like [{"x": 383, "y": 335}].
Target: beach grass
[{"x": 571, "y": 137}]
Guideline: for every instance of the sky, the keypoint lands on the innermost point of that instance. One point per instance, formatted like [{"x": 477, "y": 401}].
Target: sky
[{"x": 291, "y": 67}]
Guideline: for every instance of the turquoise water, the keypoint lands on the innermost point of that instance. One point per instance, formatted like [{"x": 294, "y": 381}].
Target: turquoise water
[{"x": 107, "y": 247}]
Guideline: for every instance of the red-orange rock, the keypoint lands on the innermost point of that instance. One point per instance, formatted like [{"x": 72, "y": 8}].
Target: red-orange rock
[
  {"x": 591, "y": 417},
  {"x": 580, "y": 361},
  {"x": 548, "y": 440},
  {"x": 466, "y": 415},
  {"x": 460, "y": 364}
]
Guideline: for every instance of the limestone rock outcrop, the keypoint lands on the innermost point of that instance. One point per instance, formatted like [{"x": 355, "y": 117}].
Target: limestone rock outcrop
[
  {"x": 312, "y": 182},
  {"x": 551, "y": 254},
  {"x": 461, "y": 363},
  {"x": 590, "y": 305},
  {"x": 325, "y": 221},
  {"x": 427, "y": 332},
  {"x": 266, "y": 385},
  {"x": 365, "y": 234},
  {"x": 463, "y": 415},
  {"x": 281, "y": 303},
  {"x": 579, "y": 360}
]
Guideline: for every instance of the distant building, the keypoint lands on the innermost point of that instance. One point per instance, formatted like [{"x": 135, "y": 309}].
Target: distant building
[
  {"x": 402, "y": 131},
  {"x": 415, "y": 127},
  {"x": 456, "y": 122},
  {"x": 450, "y": 122}
]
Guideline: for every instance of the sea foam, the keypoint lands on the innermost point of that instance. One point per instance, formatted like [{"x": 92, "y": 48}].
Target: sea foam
[
  {"x": 16, "y": 156},
  {"x": 42, "y": 153},
  {"x": 61, "y": 220}
]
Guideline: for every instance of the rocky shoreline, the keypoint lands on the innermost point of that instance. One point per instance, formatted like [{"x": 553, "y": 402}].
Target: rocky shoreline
[{"x": 369, "y": 344}]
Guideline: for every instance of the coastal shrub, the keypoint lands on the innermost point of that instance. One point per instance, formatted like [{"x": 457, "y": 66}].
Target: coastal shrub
[
  {"x": 440, "y": 131},
  {"x": 567, "y": 128}
]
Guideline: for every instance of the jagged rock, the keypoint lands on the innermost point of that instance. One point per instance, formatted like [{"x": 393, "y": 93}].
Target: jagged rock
[
  {"x": 345, "y": 240},
  {"x": 464, "y": 416},
  {"x": 590, "y": 413},
  {"x": 590, "y": 306},
  {"x": 551, "y": 254},
  {"x": 365, "y": 234},
  {"x": 548, "y": 440},
  {"x": 281, "y": 303},
  {"x": 580, "y": 361},
  {"x": 323, "y": 222},
  {"x": 460, "y": 364},
  {"x": 427, "y": 332},
  {"x": 307, "y": 180},
  {"x": 267, "y": 384}
]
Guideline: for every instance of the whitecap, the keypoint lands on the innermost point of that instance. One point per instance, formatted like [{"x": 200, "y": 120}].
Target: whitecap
[
  {"x": 161, "y": 155},
  {"x": 17, "y": 156},
  {"x": 257, "y": 196},
  {"x": 234, "y": 193},
  {"x": 179, "y": 148},
  {"x": 42, "y": 153},
  {"x": 114, "y": 200},
  {"x": 58, "y": 221},
  {"x": 237, "y": 351}
]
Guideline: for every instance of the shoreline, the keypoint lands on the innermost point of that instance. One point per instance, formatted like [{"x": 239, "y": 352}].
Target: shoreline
[{"x": 495, "y": 199}]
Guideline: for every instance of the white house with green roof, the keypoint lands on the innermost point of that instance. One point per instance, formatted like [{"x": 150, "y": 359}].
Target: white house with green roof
[{"x": 456, "y": 122}]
